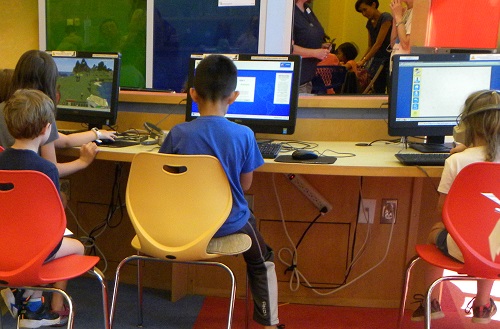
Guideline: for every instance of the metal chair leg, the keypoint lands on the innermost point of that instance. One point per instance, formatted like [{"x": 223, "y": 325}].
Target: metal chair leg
[
  {"x": 404, "y": 293},
  {"x": 427, "y": 313},
  {"x": 104, "y": 288},
  {"x": 115, "y": 288},
  {"x": 144, "y": 258},
  {"x": 140, "y": 309}
]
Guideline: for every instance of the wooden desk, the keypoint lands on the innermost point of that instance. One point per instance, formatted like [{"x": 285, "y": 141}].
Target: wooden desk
[
  {"x": 374, "y": 173},
  {"x": 377, "y": 160}
]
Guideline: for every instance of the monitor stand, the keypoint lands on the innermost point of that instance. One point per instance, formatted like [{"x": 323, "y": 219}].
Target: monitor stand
[{"x": 433, "y": 144}]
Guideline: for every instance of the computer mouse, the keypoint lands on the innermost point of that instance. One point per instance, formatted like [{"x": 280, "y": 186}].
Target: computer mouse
[{"x": 304, "y": 155}]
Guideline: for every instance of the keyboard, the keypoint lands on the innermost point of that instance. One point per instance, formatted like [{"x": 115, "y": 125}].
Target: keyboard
[
  {"x": 422, "y": 159},
  {"x": 269, "y": 150}
]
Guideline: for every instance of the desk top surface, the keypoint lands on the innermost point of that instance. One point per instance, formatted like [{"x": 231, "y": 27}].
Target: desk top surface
[{"x": 375, "y": 160}]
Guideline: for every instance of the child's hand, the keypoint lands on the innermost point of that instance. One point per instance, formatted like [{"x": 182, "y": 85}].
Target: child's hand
[
  {"x": 108, "y": 134},
  {"x": 88, "y": 152}
]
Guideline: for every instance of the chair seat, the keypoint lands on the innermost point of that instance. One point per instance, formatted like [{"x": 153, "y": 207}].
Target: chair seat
[
  {"x": 232, "y": 244},
  {"x": 432, "y": 255},
  {"x": 67, "y": 267}
]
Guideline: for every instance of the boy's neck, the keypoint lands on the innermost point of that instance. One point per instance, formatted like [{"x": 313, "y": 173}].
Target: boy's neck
[
  {"x": 213, "y": 109},
  {"x": 27, "y": 144}
]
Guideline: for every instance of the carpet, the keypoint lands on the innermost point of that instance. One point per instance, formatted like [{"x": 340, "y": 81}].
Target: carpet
[{"x": 297, "y": 316}]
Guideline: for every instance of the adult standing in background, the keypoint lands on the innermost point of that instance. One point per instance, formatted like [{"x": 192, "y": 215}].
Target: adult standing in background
[
  {"x": 308, "y": 42},
  {"x": 378, "y": 26},
  {"x": 401, "y": 27}
]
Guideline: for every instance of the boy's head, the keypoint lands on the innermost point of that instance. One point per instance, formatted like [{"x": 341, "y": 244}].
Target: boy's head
[
  {"x": 481, "y": 118},
  {"x": 215, "y": 78},
  {"x": 27, "y": 113},
  {"x": 348, "y": 51}
]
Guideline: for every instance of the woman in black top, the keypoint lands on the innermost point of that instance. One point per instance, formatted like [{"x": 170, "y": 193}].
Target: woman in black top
[
  {"x": 308, "y": 42},
  {"x": 378, "y": 26}
]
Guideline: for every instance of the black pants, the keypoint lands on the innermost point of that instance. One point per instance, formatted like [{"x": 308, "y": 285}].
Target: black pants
[{"x": 262, "y": 276}]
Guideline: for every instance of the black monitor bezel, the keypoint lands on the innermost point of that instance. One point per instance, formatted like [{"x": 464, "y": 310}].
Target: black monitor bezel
[
  {"x": 411, "y": 128},
  {"x": 281, "y": 127},
  {"x": 93, "y": 119}
]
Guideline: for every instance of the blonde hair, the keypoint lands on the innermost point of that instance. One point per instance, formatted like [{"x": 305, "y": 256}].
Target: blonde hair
[
  {"x": 27, "y": 113},
  {"x": 481, "y": 117}
]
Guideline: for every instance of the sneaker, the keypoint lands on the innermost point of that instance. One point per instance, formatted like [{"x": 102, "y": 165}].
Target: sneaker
[
  {"x": 63, "y": 316},
  {"x": 481, "y": 314},
  {"x": 36, "y": 319},
  {"x": 13, "y": 299},
  {"x": 419, "y": 313}
]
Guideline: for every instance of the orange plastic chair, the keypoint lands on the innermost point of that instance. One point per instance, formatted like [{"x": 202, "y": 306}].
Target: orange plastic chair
[
  {"x": 33, "y": 222},
  {"x": 471, "y": 216},
  {"x": 176, "y": 204}
]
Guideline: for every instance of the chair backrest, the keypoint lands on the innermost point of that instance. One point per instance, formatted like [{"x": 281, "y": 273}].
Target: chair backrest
[
  {"x": 329, "y": 77},
  {"x": 32, "y": 223},
  {"x": 471, "y": 214},
  {"x": 177, "y": 203}
]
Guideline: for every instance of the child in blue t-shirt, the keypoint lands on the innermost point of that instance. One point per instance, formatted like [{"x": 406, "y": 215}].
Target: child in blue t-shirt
[
  {"x": 28, "y": 115},
  {"x": 236, "y": 148}
]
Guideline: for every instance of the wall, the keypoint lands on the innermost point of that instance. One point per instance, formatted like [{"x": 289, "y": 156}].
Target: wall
[
  {"x": 19, "y": 31},
  {"x": 341, "y": 21},
  {"x": 454, "y": 27}
]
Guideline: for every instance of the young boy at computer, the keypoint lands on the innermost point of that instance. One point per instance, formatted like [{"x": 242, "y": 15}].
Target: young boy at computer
[
  {"x": 28, "y": 114},
  {"x": 236, "y": 148}
]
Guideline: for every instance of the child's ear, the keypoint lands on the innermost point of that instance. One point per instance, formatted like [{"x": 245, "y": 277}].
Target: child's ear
[
  {"x": 194, "y": 94},
  {"x": 44, "y": 129},
  {"x": 232, "y": 97}
]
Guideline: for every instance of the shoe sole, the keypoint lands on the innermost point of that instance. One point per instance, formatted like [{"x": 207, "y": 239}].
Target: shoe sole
[
  {"x": 434, "y": 316},
  {"x": 27, "y": 323},
  {"x": 9, "y": 299}
]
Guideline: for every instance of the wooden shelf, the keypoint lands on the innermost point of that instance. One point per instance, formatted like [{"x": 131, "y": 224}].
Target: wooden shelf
[{"x": 337, "y": 101}]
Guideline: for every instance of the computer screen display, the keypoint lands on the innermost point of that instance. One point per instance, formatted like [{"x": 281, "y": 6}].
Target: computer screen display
[
  {"x": 268, "y": 86},
  {"x": 429, "y": 90},
  {"x": 88, "y": 87}
]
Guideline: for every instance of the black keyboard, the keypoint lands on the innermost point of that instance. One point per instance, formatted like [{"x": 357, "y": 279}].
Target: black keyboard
[
  {"x": 269, "y": 150},
  {"x": 422, "y": 159}
]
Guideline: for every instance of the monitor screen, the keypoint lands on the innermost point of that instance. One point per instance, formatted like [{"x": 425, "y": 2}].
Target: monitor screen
[
  {"x": 268, "y": 86},
  {"x": 88, "y": 87},
  {"x": 429, "y": 90}
]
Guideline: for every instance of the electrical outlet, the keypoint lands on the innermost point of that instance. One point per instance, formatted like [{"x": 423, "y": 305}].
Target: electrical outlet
[
  {"x": 389, "y": 211},
  {"x": 310, "y": 192},
  {"x": 65, "y": 187},
  {"x": 366, "y": 212}
]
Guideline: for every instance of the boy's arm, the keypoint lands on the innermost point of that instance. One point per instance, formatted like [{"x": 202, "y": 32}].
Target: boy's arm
[{"x": 246, "y": 181}]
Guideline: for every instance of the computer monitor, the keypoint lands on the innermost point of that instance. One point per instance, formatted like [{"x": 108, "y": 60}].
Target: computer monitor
[
  {"x": 268, "y": 86},
  {"x": 429, "y": 90},
  {"x": 88, "y": 87}
]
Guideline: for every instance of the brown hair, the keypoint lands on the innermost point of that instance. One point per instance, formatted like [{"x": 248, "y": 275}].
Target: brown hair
[
  {"x": 5, "y": 82},
  {"x": 27, "y": 113},
  {"x": 36, "y": 70},
  {"x": 481, "y": 117}
]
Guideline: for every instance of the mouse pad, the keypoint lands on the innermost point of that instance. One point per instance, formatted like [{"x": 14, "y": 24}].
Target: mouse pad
[{"x": 320, "y": 160}]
